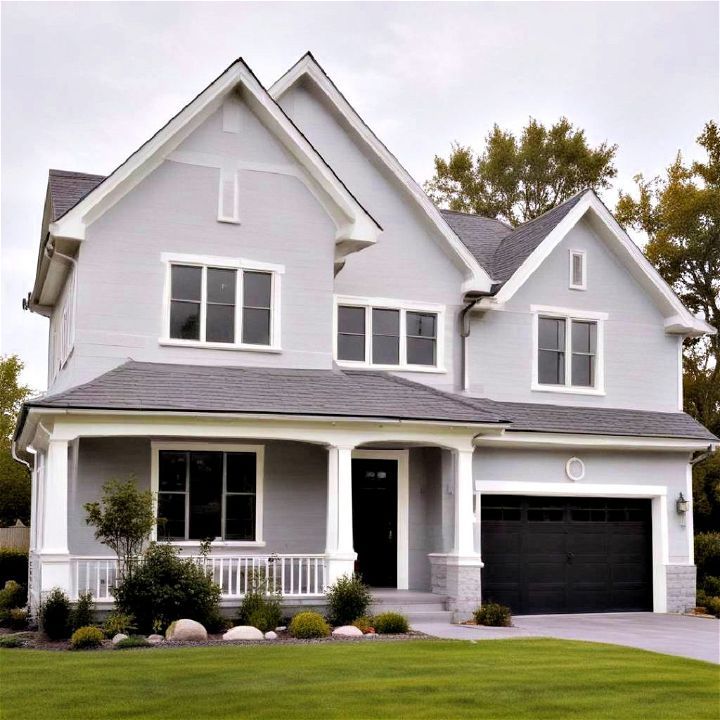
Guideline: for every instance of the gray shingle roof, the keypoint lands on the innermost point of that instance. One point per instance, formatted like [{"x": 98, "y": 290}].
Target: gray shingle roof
[
  {"x": 67, "y": 188},
  {"x": 198, "y": 388},
  {"x": 479, "y": 234},
  {"x": 344, "y": 393}
]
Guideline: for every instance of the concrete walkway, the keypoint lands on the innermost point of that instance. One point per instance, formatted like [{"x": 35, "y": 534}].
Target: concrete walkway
[{"x": 691, "y": 637}]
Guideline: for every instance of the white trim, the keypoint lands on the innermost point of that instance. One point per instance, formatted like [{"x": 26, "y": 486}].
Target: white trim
[
  {"x": 229, "y": 176},
  {"x": 242, "y": 265},
  {"x": 680, "y": 388},
  {"x": 637, "y": 264},
  {"x": 614, "y": 442},
  {"x": 656, "y": 493},
  {"x": 568, "y": 471},
  {"x": 404, "y": 306},
  {"x": 196, "y": 446},
  {"x": 569, "y": 315},
  {"x": 582, "y": 285},
  {"x": 477, "y": 277},
  {"x": 403, "y": 506},
  {"x": 689, "y": 521}
]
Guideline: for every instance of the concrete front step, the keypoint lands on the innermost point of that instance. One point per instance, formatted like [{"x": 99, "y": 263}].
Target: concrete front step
[
  {"x": 407, "y": 608},
  {"x": 438, "y": 616}
]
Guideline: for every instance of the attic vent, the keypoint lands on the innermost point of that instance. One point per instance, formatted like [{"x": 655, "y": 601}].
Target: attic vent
[
  {"x": 228, "y": 197},
  {"x": 578, "y": 270}
]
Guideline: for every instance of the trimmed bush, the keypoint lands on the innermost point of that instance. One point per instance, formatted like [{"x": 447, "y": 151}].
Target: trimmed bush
[
  {"x": 711, "y": 586},
  {"x": 364, "y": 624},
  {"x": 134, "y": 641},
  {"x": 118, "y": 622},
  {"x": 13, "y": 565},
  {"x": 707, "y": 554},
  {"x": 712, "y": 605},
  {"x": 391, "y": 623},
  {"x": 18, "y": 618},
  {"x": 493, "y": 615},
  {"x": 165, "y": 587},
  {"x": 12, "y": 595},
  {"x": 11, "y": 641},
  {"x": 306, "y": 625},
  {"x": 348, "y": 599},
  {"x": 82, "y": 613},
  {"x": 85, "y": 638},
  {"x": 55, "y": 615},
  {"x": 260, "y": 608}
]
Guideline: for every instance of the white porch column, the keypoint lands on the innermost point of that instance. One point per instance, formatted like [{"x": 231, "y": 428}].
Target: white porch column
[
  {"x": 54, "y": 553},
  {"x": 463, "y": 545},
  {"x": 339, "y": 553}
]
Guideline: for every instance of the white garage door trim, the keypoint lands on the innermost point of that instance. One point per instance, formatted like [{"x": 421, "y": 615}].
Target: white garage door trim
[{"x": 656, "y": 493}]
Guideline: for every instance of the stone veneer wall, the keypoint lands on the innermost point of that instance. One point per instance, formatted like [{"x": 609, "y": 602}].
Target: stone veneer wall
[
  {"x": 459, "y": 582},
  {"x": 680, "y": 588}
]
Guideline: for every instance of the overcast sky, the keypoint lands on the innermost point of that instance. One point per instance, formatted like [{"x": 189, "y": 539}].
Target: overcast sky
[{"x": 84, "y": 84}]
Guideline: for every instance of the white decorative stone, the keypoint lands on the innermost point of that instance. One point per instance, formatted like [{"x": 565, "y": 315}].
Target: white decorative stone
[
  {"x": 271, "y": 635},
  {"x": 118, "y": 638},
  {"x": 186, "y": 630},
  {"x": 243, "y": 632},
  {"x": 281, "y": 628},
  {"x": 347, "y": 631},
  {"x": 155, "y": 639}
]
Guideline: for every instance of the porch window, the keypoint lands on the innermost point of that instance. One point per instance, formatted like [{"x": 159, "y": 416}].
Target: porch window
[{"x": 207, "y": 494}]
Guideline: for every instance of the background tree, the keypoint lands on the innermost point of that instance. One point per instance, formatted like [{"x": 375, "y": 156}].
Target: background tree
[
  {"x": 123, "y": 520},
  {"x": 517, "y": 179},
  {"x": 14, "y": 477},
  {"x": 680, "y": 214}
]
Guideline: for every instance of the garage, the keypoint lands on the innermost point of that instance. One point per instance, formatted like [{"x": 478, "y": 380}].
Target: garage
[{"x": 566, "y": 555}]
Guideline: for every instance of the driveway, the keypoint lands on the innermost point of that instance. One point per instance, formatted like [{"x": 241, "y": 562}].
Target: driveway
[{"x": 691, "y": 637}]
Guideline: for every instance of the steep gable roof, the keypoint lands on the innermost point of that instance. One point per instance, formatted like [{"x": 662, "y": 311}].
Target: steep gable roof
[
  {"x": 481, "y": 235},
  {"x": 67, "y": 188}
]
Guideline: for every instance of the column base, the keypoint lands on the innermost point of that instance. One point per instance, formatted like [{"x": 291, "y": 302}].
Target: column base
[
  {"x": 458, "y": 578},
  {"x": 338, "y": 564},
  {"x": 680, "y": 580},
  {"x": 55, "y": 573}
]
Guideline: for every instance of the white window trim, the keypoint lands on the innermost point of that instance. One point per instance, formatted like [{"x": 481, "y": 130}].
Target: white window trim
[
  {"x": 570, "y": 314},
  {"x": 239, "y": 264},
  {"x": 191, "y": 446},
  {"x": 583, "y": 256},
  {"x": 403, "y": 306}
]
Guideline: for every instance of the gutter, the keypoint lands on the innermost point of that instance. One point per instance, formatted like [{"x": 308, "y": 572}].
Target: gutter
[{"x": 702, "y": 456}]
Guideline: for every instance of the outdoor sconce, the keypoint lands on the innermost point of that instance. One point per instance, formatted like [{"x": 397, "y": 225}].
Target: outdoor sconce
[{"x": 682, "y": 506}]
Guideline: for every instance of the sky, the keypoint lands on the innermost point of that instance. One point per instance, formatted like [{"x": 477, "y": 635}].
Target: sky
[{"x": 83, "y": 85}]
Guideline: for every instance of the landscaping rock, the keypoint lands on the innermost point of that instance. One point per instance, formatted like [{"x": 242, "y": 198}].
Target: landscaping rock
[
  {"x": 243, "y": 632},
  {"x": 117, "y": 638},
  {"x": 347, "y": 631},
  {"x": 155, "y": 639},
  {"x": 281, "y": 628},
  {"x": 186, "y": 630},
  {"x": 270, "y": 635}
]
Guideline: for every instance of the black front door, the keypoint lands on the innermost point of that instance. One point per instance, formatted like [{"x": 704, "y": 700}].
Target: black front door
[{"x": 374, "y": 484}]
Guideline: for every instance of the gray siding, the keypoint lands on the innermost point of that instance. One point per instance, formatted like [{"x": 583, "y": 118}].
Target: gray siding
[{"x": 641, "y": 360}]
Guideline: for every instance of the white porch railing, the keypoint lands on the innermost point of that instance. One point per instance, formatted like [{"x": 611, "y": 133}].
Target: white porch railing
[{"x": 291, "y": 575}]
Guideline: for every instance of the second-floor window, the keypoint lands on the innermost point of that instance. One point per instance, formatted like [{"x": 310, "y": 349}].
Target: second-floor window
[
  {"x": 221, "y": 306},
  {"x": 386, "y": 334}
]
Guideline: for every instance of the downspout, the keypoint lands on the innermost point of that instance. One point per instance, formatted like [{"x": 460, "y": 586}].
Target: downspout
[{"x": 471, "y": 299}]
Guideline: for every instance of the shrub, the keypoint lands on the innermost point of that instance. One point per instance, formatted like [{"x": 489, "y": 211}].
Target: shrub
[
  {"x": 364, "y": 623},
  {"x": 707, "y": 554},
  {"x": 712, "y": 605},
  {"x": 13, "y": 565},
  {"x": 82, "y": 614},
  {"x": 86, "y": 637},
  {"x": 307, "y": 625},
  {"x": 348, "y": 599},
  {"x": 493, "y": 615},
  {"x": 260, "y": 607},
  {"x": 134, "y": 641},
  {"x": 165, "y": 587},
  {"x": 12, "y": 595},
  {"x": 118, "y": 622},
  {"x": 11, "y": 641},
  {"x": 55, "y": 615},
  {"x": 711, "y": 586},
  {"x": 18, "y": 618},
  {"x": 391, "y": 623}
]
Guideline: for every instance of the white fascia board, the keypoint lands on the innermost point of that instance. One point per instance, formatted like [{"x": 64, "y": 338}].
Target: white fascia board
[
  {"x": 358, "y": 228},
  {"x": 679, "y": 319},
  {"x": 477, "y": 278}
]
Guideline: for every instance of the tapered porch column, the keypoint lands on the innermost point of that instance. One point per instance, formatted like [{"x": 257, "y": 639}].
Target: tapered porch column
[
  {"x": 54, "y": 553},
  {"x": 339, "y": 553}
]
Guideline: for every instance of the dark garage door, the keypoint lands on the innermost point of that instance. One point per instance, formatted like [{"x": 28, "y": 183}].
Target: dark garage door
[{"x": 563, "y": 555}]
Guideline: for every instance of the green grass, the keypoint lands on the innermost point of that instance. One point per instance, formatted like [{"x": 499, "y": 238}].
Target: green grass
[{"x": 511, "y": 679}]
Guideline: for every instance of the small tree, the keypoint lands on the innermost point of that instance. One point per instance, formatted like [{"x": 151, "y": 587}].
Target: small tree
[{"x": 123, "y": 520}]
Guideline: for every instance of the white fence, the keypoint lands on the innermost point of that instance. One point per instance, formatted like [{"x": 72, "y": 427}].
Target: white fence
[{"x": 291, "y": 575}]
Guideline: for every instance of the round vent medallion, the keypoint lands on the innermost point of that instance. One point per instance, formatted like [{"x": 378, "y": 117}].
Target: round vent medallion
[{"x": 575, "y": 469}]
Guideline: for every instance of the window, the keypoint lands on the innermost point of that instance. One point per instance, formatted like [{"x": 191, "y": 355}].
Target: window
[
  {"x": 222, "y": 304},
  {"x": 383, "y": 333},
  {"x": 568, "y": 352},
  {"x": 209, "y": 494},
  {"x": 578, "y": 270}
]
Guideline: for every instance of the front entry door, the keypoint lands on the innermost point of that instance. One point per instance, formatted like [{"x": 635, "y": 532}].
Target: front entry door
[{"x": 374, "y": 485}]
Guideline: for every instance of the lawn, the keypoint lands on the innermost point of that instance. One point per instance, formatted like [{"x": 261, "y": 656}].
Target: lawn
[{"x": 374, "y": 679}]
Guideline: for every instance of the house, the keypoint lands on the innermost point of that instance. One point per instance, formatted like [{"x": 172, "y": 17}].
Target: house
[{"x": 262, "y": 317}]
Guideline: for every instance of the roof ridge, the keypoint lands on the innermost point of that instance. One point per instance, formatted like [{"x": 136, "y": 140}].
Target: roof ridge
[{"x": 475, "y": 215}]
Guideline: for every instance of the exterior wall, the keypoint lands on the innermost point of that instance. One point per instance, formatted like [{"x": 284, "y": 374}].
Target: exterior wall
[
  {"x": 641, "y": 360},
  {"x": 409, "y": 261},
  {"x": 175, "y": 209}
]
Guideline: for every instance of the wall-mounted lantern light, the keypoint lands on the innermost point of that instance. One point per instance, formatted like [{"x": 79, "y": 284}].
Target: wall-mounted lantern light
[{"x": 682, "y": 506}]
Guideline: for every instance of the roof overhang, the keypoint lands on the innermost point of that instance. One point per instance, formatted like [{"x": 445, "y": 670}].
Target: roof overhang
[
  {"x": 356, "y": 228},
  {"x": 678, "y": 319},
  {"x": 308, "y": 69}
]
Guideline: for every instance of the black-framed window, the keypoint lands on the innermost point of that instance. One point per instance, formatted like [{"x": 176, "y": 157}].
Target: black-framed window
[
  {"x": 421, "y": 330},
  {"x": 207, "y": 494},
  {"x": 551, "y": 351},
  {"x": 386, "y": 336},
  {"x": 351, "y": 333}
]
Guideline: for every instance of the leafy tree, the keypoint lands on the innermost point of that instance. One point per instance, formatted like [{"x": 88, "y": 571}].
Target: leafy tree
[
  {"x": 680, "y": 214},
  {"x": 517, "y": 179},
  {"x": 14, "y": 477},
  {"x": 123, "y": 521}
]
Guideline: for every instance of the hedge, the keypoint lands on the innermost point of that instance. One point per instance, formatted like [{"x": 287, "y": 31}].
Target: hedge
[{"x": 13, "y": 566}]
